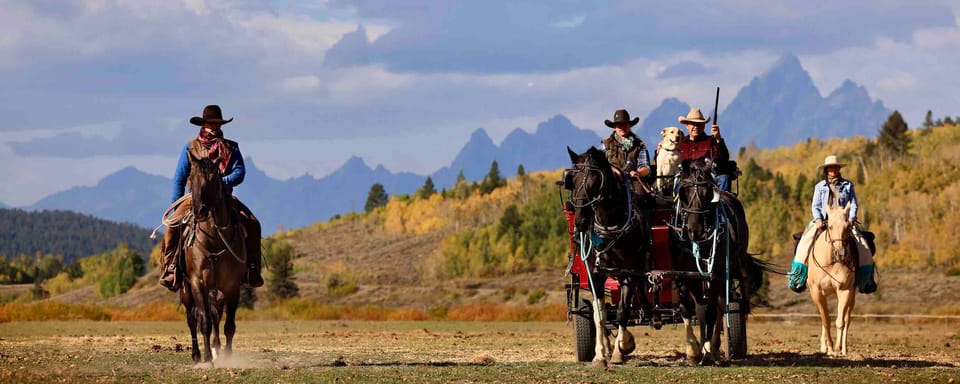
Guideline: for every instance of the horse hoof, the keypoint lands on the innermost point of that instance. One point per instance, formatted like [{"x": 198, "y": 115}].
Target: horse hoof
[
  {"x": 617, "y": 359},
  {"x": 707, "y": 361},
  {"x": 600, "y": 364},
  {"x": 215, "y": 354}
]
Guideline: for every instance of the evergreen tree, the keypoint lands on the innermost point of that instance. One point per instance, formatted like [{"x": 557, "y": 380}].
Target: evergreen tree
[
  {"x": 492, "y": 180},
  {"x": 280, "y": 254},
  {"x": 38, "y": 290},
  {"x": 461, "y": 189},
  {"x": 510, "y": 221},
  {"x": 427, "y": 190},
  {"x": 520, "y": 171},
  {"x": 947, "y": 120},
  {"x": 780, "y": 187},
  {"x": 894, "y": 136},
  {"x": 799, "y": 187},
  {"x": 928, "y": 119},
  {"x": 377, "y": 197}
]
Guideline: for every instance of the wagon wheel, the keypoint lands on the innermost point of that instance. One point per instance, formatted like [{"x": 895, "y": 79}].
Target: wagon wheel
[
  {"x": 585, "y": 335},
  {"x": 735, "y": 323}
]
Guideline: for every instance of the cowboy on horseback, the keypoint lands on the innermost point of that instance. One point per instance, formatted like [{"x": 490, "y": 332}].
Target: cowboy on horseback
[
  {"x": 626, "y": 152},
  {"x": 839, "y": 191},
  {"x": 209, "y": 143}
]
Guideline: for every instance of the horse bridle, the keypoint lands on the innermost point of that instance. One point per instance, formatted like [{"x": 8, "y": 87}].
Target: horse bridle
[
  {"x": 839, "y": 254},
  {"x": 585, "y": 170},
  {"x": 683, "y": 211},
  {"x": 604, "y": 231}
]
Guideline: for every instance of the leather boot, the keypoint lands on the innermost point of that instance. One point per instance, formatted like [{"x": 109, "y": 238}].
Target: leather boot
[{"x": 168, "y": 265}]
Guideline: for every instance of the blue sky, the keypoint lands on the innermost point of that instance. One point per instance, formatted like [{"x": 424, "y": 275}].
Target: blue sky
[{"x": 89, "y": 87}]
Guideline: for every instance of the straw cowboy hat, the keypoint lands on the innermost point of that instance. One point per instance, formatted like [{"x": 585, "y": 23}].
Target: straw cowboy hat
[
  {"x": 694, "y": 116},
  {"x": 831, "y": 161},
  {"x": 621, "y": 116},
  {"x": 212, "y": 115}
]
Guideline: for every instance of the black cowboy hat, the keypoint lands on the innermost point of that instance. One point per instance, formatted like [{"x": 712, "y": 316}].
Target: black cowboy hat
[
  {"x": 621, "y": 116},
  {"x": 212, "y": 115}
]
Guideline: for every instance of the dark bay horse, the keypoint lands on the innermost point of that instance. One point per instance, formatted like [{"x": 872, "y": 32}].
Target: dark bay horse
[
  {"x": 602, "y": 206},
  {"x": 713, "y": 239},
  {"x": 215, "y": 261}
]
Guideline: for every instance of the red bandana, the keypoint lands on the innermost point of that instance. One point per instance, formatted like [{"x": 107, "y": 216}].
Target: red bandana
[{"x": 219, "y": 151}]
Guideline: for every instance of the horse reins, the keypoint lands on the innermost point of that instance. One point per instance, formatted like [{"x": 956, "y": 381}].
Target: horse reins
[
  {"x": 829, "y": 239},
  {"x": 604, "y": 231}
]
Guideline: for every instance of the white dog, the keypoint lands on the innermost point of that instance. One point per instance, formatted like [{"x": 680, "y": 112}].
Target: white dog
[{"x": 668, "y": 157}]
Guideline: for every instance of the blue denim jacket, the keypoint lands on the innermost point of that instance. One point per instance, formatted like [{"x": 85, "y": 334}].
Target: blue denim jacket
[
  {"x": 821, "y": 194},
  {"x": 232, "y": 177}
]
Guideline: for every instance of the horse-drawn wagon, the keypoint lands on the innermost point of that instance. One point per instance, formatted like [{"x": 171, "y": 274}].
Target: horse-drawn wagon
[{"x": 694, "y": 268}]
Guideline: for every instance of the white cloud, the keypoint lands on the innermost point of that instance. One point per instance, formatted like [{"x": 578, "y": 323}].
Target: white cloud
[
  {"x": 355, "y": 86},
  {"x": 197, "y": 6},
  {"x": 910, "y": 76},
  {"x": 303, "y": 35},
  {"x": 300, "y": 84},
  {"x": 899, "y": 82}
]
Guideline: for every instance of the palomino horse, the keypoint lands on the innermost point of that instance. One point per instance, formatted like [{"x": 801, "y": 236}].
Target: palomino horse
[
  {"x": 713, "y": 239},
  {"x": 215, "y": 261},
  {"x": 602, "y": 205},
  {"x": 831, "y": 272}
]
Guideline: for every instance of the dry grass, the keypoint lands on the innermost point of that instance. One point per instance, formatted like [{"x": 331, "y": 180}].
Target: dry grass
[
  {"x": 293, "y": 309},
  {"x": 444, "y": 352}
]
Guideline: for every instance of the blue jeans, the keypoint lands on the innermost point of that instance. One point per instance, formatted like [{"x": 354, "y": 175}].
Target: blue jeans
[{"x": 723, "y": 181}]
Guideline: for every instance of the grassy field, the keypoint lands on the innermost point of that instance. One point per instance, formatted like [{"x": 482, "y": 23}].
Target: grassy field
[{"x": 336, "y": 351}]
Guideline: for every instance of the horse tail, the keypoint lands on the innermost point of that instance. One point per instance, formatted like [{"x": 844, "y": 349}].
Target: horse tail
[{"x": 756, "y": 268}]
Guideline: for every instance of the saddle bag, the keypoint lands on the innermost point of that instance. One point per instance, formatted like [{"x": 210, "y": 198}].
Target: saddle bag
[{"x": 870, "y": 237}]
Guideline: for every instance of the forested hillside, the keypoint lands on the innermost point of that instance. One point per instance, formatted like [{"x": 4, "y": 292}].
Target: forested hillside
[
  {"x": 908, "y": 197},
  {"x": 65, "y": 233}
]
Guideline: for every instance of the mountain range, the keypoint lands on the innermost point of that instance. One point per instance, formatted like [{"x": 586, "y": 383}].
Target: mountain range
[{"x": 779, "y": 107}]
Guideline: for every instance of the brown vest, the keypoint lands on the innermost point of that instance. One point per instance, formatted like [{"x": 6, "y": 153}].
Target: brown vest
[
  {"x": 199, "y": 151},
  {"x": 618, "y": 157}
]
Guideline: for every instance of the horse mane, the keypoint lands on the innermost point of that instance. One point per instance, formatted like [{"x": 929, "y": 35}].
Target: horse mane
[{"x": 202, "y": 172}]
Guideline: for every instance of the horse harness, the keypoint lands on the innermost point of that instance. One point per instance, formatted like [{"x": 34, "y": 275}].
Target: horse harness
[{"x": 605, "y": 232}]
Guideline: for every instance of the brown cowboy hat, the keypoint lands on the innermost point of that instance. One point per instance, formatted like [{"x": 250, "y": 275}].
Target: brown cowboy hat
[
  {"x": 211, "y": 115},
  {"x": 694, "y": 116},
  {"x": 621, "y": 116},
  {"x": 831, "y": 160}
]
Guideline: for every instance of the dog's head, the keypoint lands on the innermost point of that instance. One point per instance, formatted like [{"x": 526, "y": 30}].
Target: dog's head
[{"x": 671, "y": 137}]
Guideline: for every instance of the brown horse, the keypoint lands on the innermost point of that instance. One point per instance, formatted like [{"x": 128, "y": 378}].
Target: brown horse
[{"x": 215, "y": 261}]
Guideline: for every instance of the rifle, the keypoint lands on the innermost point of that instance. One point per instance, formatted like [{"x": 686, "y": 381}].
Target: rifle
[{"x": 716, "y": 102}]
